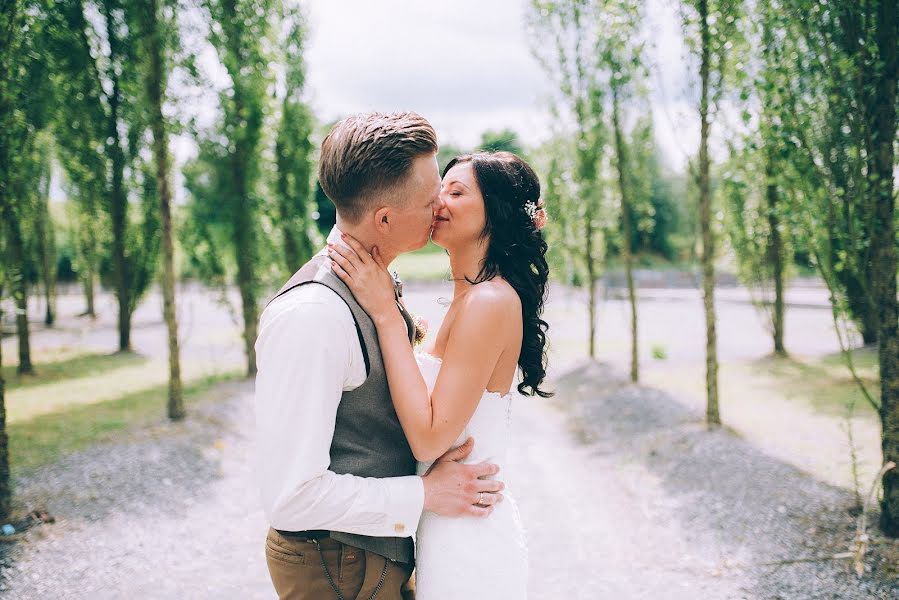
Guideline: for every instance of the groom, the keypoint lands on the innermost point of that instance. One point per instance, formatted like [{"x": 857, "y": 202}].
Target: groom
[{"x": 336, "y": 474}]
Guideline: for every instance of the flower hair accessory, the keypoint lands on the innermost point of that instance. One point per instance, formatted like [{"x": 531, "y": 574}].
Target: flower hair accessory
[{"x": 536, "y": 213}]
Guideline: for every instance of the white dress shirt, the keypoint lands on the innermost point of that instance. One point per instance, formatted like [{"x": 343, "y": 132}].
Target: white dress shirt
[{"x": 307, "y": 355}]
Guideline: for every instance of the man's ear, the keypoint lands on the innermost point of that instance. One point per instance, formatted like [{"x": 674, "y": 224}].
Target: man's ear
[{"x": 383, "y": 219}]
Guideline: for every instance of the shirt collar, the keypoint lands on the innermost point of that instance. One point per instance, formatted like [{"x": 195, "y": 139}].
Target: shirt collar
[{"x": 334, "y": 237}]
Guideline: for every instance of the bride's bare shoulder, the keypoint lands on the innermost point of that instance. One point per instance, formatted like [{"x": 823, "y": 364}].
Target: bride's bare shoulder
[{"x": 496, "y": 294}]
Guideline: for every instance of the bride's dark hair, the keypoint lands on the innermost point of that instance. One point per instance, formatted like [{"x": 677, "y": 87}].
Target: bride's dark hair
[{"x": 516, "y": 250}]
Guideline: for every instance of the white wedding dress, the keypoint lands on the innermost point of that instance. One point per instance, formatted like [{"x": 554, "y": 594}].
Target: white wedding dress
[{"x": 470, "y": 557}]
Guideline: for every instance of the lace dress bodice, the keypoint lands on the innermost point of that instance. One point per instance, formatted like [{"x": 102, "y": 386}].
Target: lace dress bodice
[
  {"x": 469, "y": 557},
  {"x": 489, "y": 425}
]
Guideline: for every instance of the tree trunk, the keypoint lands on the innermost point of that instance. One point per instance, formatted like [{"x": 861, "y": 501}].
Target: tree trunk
[
  {"x": 243, "y": 209},
  {"x": 9, "y": 28},
  {"x": 47, "y": 252},
  {"x": 858, "y": 207},
  {"x": 626, "y": 225},
  {"x": 854, "y": 278},
  {"x": 9, "y": 19},
  {"x": 89, "y": 278},
  {"x": 155, "y": 87},
  {"x": 16, "y": 250},
  {"x": 861, "y": 303},
  {"x": 591, "y": 282},
  {"x": 118, "y": 201},
  {"x": 50, "y": 294},
  {"x": 291, "y": 245},
  {"x": 248, "y": 303},
  {"x": 245, "y": 245},
  {"x": 5, "y": 479},
  {"x": 776, "y": 256},
  {"x": 880, "y": 178},
  {"x": 713, "y": 416},
  {"x": 87, "y": 283}
]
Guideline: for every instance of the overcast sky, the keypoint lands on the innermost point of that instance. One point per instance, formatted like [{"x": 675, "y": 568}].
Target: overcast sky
[{"x": 467, "y": 66}]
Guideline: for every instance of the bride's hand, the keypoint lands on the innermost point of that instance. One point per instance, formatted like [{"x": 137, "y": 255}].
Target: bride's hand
[{"x": 366, "y": 276}]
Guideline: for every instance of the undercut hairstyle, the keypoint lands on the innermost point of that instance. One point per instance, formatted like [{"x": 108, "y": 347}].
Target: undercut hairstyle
[{"x": 366, "y": 155}]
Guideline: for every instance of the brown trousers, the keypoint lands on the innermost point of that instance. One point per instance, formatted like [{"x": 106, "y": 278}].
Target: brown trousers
[{"x": 297, "y": 574}]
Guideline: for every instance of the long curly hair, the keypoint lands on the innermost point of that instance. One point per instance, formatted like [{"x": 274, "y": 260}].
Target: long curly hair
[{"x": 516, "y": 251}]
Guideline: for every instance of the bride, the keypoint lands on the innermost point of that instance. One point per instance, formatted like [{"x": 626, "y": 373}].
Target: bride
[{"x": 489, "y": 222}]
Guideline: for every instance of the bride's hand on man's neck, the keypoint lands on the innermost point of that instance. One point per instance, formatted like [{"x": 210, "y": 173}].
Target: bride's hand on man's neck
[{"x": 368, "y": 239}]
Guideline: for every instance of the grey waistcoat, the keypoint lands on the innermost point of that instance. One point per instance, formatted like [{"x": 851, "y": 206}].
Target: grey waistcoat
[{"x": 368, "y": 439}]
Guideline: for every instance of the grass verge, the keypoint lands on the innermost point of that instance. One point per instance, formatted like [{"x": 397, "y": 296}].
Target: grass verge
[
  {"x": 430, "y": 263},
  {"x": 49, "y": 437},
  {"x": 71, "y": 367},
  {"x": 793, "y": 408},
  {"x": 825, "y": 382}
]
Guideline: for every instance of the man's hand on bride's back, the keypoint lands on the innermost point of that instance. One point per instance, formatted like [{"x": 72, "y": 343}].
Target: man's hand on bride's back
[{"x": 453, "y": 489}]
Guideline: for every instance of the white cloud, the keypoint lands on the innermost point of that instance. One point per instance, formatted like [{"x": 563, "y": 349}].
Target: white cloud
[
  {"x": 464, "y": 65},
  {"x": 467, "y": 66}
]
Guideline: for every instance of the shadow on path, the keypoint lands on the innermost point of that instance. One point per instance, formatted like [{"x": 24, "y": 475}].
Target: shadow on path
[
  {"x": 731, "y": 497},
  {"x": 131, "y": 512}
]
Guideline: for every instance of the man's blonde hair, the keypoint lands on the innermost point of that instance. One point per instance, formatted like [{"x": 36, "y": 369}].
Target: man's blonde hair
[{"x": 368, "y": 154}]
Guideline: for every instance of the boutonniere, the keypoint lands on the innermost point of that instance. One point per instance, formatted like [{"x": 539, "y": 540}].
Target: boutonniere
[
  {"x": 421, "y": 326},
  {"x": 421, "y": 329}
]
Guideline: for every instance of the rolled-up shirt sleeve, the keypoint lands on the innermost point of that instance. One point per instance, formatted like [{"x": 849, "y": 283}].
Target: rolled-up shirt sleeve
[{"x": 305, "y": 360}]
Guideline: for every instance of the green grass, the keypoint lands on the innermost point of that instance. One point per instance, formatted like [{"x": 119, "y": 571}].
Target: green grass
[
  {"x": 864, "y": 359},
  {"x": 429, "y": 263},
  {"x": 82, "y": 365},
  {"x": 649, "y": 261},
  {"x": 825, "y": 382},
  {"x": 47, "y": 438},
  {"x": 659, "y": 352},
  {"x": 794, "y": 409},
  {"x": 430, "y": 248},
  {"x": 121, "y": 374}
]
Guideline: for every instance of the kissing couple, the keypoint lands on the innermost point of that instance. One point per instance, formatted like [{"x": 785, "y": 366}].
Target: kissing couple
[{"x": 374, "y": 460}]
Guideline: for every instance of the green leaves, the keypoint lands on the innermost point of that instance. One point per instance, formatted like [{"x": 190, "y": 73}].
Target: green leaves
[
  {"x": 504, "y": 140},
  {"x": 251, "y": 211},
  {"x": 818, "y": 88},
  {"x": 593, "y": 52},
  {"x": 295, "y": 202}
]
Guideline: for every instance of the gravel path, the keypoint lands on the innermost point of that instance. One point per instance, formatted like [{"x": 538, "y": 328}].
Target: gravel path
[
  {"x": 706, "y": 508},
  {"x": 168, "y": 512},
  {"x": 623, "y": 492}
]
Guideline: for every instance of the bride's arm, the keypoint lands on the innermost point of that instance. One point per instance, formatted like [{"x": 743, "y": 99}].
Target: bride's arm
[{"x": 431, "y": 423}]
